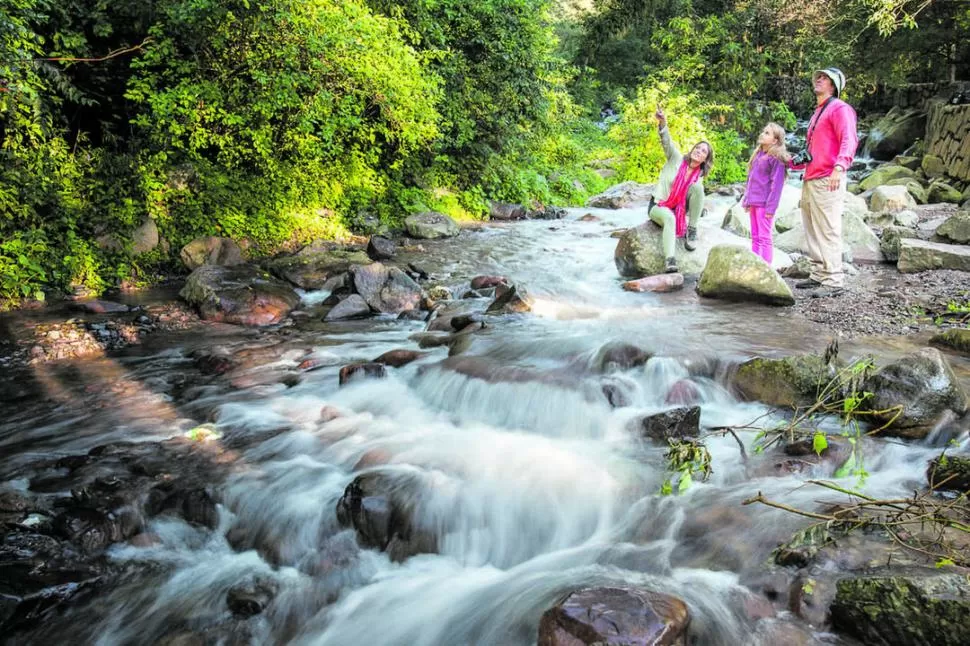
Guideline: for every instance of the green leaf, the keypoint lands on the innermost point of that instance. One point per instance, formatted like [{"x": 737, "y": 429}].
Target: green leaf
[
  {"x": 685, "y": 481},
  {"x": 666, "y": 488},
  {"x": 819, "y": 442}
]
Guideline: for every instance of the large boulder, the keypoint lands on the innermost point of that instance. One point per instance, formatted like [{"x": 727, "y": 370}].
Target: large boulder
[
  {"x": 891, "y": 199},
  {"x": 312, "y": 269},
  {"x": 354, "y": 306},
  {"x": 913, "y": 185},
  {"x": 243, "y": 295},
  {"x": 933, "y": 166},
  {"x": 615, "y": 616},
  {"x": 676, "y": 423},
  {"x": 503, "y": 212},
  {"x": 921, "y": 255},
  {"x": 895, "y": 132},
  {"x": 889, "y": 243},
  {"x": 737, "y": 274},
  {"x": 956, "y": 229},
  {"x": 925, "y": 608},
  {"x": 914, "y": 394},
  {"x": 622, "y": 195},
  {"x": 788, "y": 383},
  {"x": 431, "y": 225},
  {"x": 386, "y": 289},
  {"x": 145, "y": 237},
  {"x": 211, "y": 250},
  {"x": 639, "y": 253},
  {"x": 884, "y": 174}
]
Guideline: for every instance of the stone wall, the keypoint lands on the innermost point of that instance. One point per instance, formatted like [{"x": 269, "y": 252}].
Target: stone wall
[
  {"x": 914, "y": 95},
  {"x": 948, "y": 137}
]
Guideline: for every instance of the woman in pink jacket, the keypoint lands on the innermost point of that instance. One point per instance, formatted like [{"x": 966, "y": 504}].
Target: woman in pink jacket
[{"x": 767, "y": 169}]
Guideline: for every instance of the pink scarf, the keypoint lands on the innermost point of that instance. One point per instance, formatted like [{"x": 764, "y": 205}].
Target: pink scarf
[{"x": 677, "y": 200}]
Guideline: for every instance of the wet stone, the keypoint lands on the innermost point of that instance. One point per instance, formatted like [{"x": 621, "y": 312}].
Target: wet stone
[
  {"x": 615, "y": 616},
  {"x": 250, "y": 596},
  {"x": 677, "y": 423},
  {"x": 362, "y": 371}
]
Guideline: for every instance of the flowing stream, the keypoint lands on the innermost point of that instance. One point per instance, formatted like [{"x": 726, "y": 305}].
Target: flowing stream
[{"x": 532, "y": 484}]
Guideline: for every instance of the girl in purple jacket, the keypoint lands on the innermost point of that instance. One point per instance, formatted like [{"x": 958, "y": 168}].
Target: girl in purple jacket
[{"x": 766, "y": 177}]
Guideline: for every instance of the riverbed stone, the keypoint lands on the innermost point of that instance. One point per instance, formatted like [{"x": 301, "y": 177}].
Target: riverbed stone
[
  {"x": 354, "y": 306},
  {"x": 895, "y": 132},
  {"x": 676, "y": 423},
  {"x": 379, "y": 506},
  {"x": 514, "y": 300},
  {"x": 369, "y": 370},
  {"x": 933, "y": 166},
  {"x": 737, "y": 274},
  {"x": 381, "y": 248},
  {"x": 242, "y": 295},
  {"x": 399, "y": 358},
  {"x": 925, "y": 608},
  {"x": 787, "y": 382},
  {"x": 889, "y": 242},
  {"x": 615, "y": 615},
  {"x": 312, "y": 270},
  {"x": 922, "y": 255},
  {"x": 504, "y": 212},
  {"x": 940, "y": 191},
  {"x": 858, "y": 240},
  {"x": 956, "y": 229},
  {"x": 431, "y": 225},
  {"x": 923, "y": 385},
  {"x": 639, "y": 253},
  {"x": 661, "y": 283},
  {"x": 623, "y": 195},
  {"x": 386, "y": 289}
]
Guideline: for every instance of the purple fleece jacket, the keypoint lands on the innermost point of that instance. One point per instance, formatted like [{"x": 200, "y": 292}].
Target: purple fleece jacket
[{"x": 765, "y": 181}]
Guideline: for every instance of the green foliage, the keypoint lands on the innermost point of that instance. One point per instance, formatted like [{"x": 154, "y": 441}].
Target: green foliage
[{"x": 684, "y": 459}]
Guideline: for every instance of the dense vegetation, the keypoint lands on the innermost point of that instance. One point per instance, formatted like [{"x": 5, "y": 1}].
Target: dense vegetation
[{"x": 281, "y": 121}]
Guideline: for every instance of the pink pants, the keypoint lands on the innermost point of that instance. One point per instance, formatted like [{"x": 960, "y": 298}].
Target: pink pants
[{"x": 761, "y": 232}]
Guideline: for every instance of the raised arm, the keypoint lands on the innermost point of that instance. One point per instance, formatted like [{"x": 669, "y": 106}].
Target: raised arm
[{"x": 670, "y": 150}]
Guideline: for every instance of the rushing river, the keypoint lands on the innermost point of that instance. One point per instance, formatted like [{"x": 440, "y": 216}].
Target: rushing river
[{"x": 532, "y": 486}]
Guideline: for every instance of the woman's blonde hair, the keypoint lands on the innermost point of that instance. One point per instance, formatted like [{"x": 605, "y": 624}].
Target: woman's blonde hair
[{"x": 778, "y": 151}]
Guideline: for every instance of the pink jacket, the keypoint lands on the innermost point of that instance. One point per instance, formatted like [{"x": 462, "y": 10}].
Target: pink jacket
[{"x": 834, "y": 139}]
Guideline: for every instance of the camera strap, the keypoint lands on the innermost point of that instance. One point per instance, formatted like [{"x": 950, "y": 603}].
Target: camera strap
[{"x": 814, "y": 123}]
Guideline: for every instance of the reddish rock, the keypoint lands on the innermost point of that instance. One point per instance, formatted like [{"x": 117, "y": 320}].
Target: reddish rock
[
  {"x": 484, "y": 282},
  {"x": 362, "y": 370},
  {"x": 685, "y": 392},
  {"x": 659, "y": 283},
  {"x": 589, "y": 217},
  {"x": 329, "y": 413},
  {"x": 615, "y": 616},
  {"x": 398, "y": 358}
]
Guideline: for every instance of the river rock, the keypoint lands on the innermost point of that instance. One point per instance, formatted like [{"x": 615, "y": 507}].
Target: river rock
[
  {"x": 504, "y": 212},
  {"x": 145, "y": 237},
  {"x": 380, "y": 507},
  {"x": 956, "y": 338},
  {"x": 622, "y": 195},
  {"x": 949, "y": 473},
  {"x": 788, "y": 383},
  {"x": 895, "y": 132},
  {"x": 924, "y": 384},
  {"x": 921, "y": 255},
  {"x": 354, "y": 306},
  {"x": 956, "y": 229},
  {"x": 614, "y": 615},
  {"x": 370, "y": 370},
  {"x": 917, "y": 190},
  {"x": 484, "y": 282},
  {"x": 399, "y": 358},
  {"x": 737, "y": 274},
  {"x": 925, "y": 608},
  {"x": 661, "y": 283},
  {"x": 514, "y": 300},
  {"x": 211, "y": 250},
  {"x": 677, "y": 423},
  {"x": 250, "y": 596},
  {"x": 890, "y": 199},
  {"x": 243, "y": 295},
  {"x": 381, "y": 248},
  {"x": 639, "y": 253},
  {"x": 312, "y": 270},
  {"x": 618, "y": 355},
  {"x": 431, "y": 225},
  {"x": 889, "y": 242},
  {"x": 883, "y": 174},
  {"x": 386, "y": 289}
]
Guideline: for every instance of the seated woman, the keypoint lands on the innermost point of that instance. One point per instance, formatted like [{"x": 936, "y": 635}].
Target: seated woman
[{"x": 679, "y": 195}]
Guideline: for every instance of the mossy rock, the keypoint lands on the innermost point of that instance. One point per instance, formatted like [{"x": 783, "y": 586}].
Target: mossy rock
[
  {"x": 884, "y": 174},
  {"x": 922, "y": 609},
  {"x": 956, "y": 229},
  {"x": 313, "y": 270},
  {"x": 956, "y": 338},
  {"x": 949, "y": 473},
  {"x": 789, "y": 382}
]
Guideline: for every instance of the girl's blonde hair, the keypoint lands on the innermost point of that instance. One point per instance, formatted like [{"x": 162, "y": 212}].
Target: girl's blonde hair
[{"x": 778, "y": 151}]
